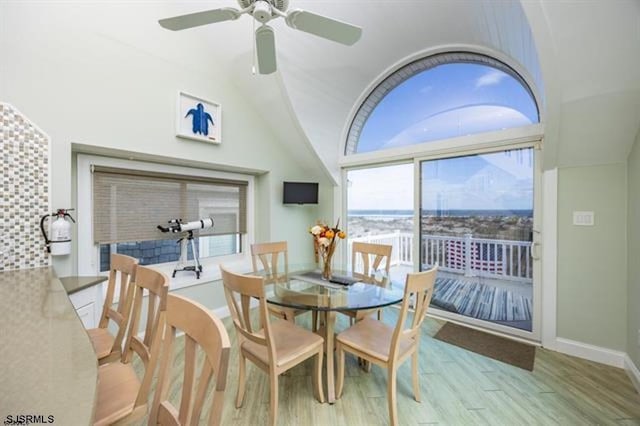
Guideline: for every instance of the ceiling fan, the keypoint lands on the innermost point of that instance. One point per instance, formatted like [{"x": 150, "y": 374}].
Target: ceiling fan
[{"x": 263, "y": 11}]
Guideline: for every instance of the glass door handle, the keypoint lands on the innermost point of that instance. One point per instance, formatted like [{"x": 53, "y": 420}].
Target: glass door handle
[{"x": 534, "y": 251}]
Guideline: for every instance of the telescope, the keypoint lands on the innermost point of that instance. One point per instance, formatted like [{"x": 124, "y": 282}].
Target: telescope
[{"x": 177, "y": 225}]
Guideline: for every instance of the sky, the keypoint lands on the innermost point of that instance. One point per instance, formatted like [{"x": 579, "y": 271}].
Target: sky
[
  {"x": 496, "y": 181},
  {"x": 447, "y": 101},
  {"x": 381, "y": 188},
  {"x": 443, "y": 102}
]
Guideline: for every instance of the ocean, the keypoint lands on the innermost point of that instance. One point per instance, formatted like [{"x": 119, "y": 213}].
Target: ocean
[{"x": 441, "y": 213}]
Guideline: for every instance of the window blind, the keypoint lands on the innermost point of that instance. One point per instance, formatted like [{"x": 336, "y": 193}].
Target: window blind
[{"x": 128, "y": 205}]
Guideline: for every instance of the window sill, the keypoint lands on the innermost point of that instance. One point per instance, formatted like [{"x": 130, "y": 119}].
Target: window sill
[{"x": 210, "y": 271}]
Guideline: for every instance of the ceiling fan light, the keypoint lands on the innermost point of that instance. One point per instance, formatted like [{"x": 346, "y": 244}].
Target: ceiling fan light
[
  {"x": 281, "y": 5},
  {"x": 262, "y": 11}
]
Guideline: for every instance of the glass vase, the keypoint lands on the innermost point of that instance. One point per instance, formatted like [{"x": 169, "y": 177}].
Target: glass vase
[{"x": 326, "y": 268}]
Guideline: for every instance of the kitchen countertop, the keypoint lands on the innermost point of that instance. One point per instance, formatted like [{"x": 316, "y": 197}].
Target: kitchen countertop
[
  {"x": 74, "y": 284},
  {"x": 47, "y": 363}
]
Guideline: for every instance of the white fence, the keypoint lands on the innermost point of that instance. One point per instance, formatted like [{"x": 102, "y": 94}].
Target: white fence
[{"x": 501, "y": 259}]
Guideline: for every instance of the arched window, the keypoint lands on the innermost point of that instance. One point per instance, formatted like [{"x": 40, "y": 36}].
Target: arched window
[{"x": 440, "y": 97}]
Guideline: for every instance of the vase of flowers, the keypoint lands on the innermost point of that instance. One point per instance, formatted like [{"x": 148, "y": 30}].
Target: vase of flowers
[{"x": 325, "y": 239}]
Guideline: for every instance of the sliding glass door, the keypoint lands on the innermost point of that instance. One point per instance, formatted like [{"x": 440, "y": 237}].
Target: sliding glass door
[
  {"x": 474, "y": 217},
  {"x": 477, "y": 223},
  {"x": 380, "y": 210}
]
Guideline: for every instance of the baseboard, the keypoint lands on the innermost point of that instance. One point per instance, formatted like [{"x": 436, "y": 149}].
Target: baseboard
[
  {"x": 632, "y": 372},
  {"x": 591, "y": 352}
]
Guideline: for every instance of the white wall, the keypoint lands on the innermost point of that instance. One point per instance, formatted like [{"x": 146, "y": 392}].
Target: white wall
[
  {"x": 592, "y": 108},
  {"x": 87, "y": 74},
  {"x": 633, "y": 254},
  {"x": 592, "y": 262},
  {"x": 592, "y": 86}
]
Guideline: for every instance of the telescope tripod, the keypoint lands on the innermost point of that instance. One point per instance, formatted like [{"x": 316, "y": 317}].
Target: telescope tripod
[{"x": 182, "y": 264}]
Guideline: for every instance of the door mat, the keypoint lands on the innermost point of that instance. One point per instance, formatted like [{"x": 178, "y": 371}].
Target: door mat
[{"x": 495, "y": 347}]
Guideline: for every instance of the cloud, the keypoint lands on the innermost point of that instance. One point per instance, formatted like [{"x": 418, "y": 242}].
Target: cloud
[
  {"x": 490, "y": 78},
  {"x": 426, "y": 89},
  {"x": 464, "y": 120}
]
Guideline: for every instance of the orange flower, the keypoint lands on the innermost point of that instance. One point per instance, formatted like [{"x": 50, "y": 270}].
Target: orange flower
[
  {"x": 342, "y": 235},
  {"x": 329, "y": 234}
]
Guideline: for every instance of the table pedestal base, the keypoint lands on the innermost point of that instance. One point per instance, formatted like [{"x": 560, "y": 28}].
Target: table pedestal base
[{"x": 328, "y": 334}]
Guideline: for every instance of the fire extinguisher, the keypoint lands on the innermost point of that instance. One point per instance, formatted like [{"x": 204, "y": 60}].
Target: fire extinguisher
[{"x": 60, "y": 242}]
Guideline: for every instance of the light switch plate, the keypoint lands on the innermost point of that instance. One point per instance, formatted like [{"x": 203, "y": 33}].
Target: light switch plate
[{"x": 584, "y": 218}]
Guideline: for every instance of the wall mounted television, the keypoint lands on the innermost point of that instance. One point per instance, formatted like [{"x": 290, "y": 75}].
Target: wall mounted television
[{"x": 300, "y": 193}]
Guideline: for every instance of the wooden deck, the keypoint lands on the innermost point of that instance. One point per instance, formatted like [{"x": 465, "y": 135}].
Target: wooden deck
[
  {"x": 505, "y": 302},
  {"x": 481, "y": 301},
  {"x": 458, "y": 388}
]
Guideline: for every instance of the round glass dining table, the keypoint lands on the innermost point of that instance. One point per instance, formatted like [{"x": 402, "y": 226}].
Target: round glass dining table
[{"x": 303, "y": 288}]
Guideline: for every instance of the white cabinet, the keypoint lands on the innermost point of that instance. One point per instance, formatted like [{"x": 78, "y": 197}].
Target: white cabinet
[
  {"x": 88, "y": 304},
  {"x": 87, "y": 315}
]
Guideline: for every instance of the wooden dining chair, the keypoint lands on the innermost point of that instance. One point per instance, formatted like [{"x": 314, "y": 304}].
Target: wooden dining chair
[
  {"x": 201, "y": 329},
  {"x": 121, "y": 274},
  {"x": 121, "y": 397},
  {"x": 370, "y": 256},
  {"x": 276, "y": 347},
  {"x": 273, "y": 259},
  {"x": 386, "y": 346}
]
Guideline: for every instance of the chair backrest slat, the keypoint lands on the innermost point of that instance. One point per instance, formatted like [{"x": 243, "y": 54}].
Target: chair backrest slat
[
  {"x": 421, "y": 305},
  {"x": 240, "y": 315},
  {"x": 205, "y": 333},
  {"x": 206, "y": 375},
  {"x": 269, "y": 255},
  {"x": 246, "y": 287},
  {"x": 420, "y": 284},
  {"x": 122, "y": 275},
  {"x": 156, "y": 284},
  {"x": 365, "y": 252},
  {"x": 245, "y": 302},
  {"x": 152, "y": 286},
  {"x": 162, "y": 412},
  {"x": 188, "y": 377}
]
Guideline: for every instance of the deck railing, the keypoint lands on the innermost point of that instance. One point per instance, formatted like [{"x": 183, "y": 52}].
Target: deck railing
[{"x": 501, "y": 259}]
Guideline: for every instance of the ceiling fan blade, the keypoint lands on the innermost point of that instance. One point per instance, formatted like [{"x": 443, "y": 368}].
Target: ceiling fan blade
[
  {"x": 197, "y": 19},
  {"x": 324, "y": 27},
  {"x": 266, "y": 50}
]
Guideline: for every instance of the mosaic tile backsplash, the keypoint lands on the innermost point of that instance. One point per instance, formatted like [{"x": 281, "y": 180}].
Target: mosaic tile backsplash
[{"x": 24, "y": 180}]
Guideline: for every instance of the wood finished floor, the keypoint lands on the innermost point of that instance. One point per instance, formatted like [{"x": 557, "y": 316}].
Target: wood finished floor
[{"x": 458, "y": 388}]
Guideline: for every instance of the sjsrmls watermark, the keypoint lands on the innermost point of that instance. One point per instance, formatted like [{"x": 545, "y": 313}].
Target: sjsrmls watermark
[{"x": 29, "y": 419}]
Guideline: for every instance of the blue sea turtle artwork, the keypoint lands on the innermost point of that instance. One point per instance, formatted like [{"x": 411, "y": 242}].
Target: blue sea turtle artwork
[{"x": 200, "y": 120}]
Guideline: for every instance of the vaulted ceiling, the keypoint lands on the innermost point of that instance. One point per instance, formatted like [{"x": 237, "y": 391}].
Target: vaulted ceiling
[{"x": 580, "y": 57}]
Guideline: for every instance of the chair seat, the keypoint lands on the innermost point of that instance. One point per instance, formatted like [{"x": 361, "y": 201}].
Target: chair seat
[
  {"x": 372, "y": 337},
  {"x": 290, "y": 341},
  {"x": 118, "y": 387},
  {"x": 101, "y": 340}
]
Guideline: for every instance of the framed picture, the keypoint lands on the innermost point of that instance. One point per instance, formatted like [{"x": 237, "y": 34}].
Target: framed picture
[{"x": 198, "y": 119}]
